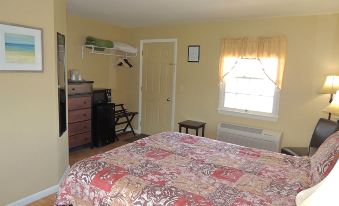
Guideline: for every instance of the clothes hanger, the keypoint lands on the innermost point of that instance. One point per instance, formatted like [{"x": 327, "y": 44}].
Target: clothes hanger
[
  {"x": 120, "y": 62},
  {"x": 128, "y": 63},
  {"x": 124, "y": 62}
]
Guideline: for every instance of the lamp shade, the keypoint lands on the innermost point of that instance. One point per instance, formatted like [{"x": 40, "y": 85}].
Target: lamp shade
[
  {"x": 331, "y": 85},
  {"x": 334, "y": 106}
]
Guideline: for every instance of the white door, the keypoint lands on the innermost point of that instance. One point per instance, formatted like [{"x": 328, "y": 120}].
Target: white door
[{"x": 157, "y": 87}]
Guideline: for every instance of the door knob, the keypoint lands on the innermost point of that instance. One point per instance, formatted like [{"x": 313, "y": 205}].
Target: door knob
[{"x": 168, "y": 99}]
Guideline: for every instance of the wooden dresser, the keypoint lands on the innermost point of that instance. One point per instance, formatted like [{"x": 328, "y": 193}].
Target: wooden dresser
[{"x": 79, "y": 113}]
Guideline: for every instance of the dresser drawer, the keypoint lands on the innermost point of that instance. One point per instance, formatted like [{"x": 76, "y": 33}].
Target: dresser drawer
[
  {"x": 79, "y": 115},
  {"x": 79, "y": 139},
  {"x": 79, "y": 88},
  {"x": 79, "y": 127},
  {"x": 79, "y": 102}
]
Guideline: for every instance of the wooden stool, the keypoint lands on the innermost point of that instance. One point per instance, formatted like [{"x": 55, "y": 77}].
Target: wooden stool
[{"x": 190, "y": 124}]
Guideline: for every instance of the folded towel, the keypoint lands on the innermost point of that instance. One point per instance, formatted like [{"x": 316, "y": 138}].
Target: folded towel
[
  {"x": 109, "y": 44},
  {"x": 99, "y": 43},
  {"x": 125, "y": 47}
]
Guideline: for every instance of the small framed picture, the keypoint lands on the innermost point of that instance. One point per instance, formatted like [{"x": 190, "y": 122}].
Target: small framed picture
[
  {"x": 193, "y": 53},
  {"x": 20, "y": 48}
]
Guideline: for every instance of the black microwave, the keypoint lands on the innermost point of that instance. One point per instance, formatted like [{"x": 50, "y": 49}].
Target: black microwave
[{"x": 101, "y": 95}]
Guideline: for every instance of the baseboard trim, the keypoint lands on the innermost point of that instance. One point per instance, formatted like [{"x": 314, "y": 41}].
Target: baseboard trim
[
  {"x": 39, "y": 195},
  {"x": 35, "y": 197}
]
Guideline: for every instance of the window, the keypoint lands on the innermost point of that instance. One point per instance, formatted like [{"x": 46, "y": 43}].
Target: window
[{"x": 250, "y": 85}]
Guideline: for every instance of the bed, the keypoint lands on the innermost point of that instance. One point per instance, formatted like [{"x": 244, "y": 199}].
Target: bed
[{"x": 178, "y": 169}]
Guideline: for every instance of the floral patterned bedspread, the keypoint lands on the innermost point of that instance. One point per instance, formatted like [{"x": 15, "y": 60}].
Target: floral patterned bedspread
[{"x": 179, "y": 169}]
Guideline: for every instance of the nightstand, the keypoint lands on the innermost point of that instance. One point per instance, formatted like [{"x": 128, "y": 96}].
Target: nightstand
[{"x": 190, "y": 124}]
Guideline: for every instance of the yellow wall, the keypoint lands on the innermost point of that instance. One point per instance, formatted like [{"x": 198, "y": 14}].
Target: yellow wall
[
  {"x": 313, "y": 51},
  {"x": 29, "y": 151},
  {"x": 99, "y": 68},
  {"x": 313, "y": 47},
  {"x": 92, "y": 67}
]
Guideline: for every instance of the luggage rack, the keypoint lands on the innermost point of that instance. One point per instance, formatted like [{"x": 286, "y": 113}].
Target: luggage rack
[{"x": 122, "y": 116}]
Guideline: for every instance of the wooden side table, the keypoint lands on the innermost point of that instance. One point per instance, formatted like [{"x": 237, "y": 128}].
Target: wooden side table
[{"x": 190, "y": 124}]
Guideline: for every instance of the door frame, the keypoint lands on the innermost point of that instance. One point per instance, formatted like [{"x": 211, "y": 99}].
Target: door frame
[{"x": 145, "y": 41}]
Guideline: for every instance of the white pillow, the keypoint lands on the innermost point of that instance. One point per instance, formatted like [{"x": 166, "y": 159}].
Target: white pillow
[
  {"x": 326, "y": 192},
  {"x": 304, "y": 194}
]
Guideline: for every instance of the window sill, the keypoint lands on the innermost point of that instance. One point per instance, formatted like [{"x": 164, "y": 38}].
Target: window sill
[{"x": 248, "y": 115}]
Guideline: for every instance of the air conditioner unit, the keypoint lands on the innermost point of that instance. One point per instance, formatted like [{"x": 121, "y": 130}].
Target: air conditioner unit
[{"x": 249, "y": 137}]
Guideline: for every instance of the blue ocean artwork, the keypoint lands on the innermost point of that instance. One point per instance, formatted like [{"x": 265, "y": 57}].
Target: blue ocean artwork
[{"x": 19, "y": 48}]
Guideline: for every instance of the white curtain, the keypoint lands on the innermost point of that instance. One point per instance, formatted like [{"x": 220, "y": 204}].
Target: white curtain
[{"x": 260, "y": 47}]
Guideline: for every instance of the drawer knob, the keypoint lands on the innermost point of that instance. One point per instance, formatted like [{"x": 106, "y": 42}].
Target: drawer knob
[
  {"x": 73, "y": 89},
  {"x": 85, "y": 115}
]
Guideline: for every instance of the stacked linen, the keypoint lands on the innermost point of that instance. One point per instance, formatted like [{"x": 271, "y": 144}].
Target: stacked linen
[
  {"x": 125, "y": 47},
  {"x": 100, "y": 44}
]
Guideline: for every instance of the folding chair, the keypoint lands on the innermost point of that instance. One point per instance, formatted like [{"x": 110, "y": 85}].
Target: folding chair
[{"x": 122, "y": 116}]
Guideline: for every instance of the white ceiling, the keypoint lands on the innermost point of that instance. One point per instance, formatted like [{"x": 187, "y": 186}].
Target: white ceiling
[{"x": 138, "y": 13}]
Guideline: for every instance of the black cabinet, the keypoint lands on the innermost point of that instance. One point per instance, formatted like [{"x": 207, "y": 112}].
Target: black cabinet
[{"x": 103, "y": 126}]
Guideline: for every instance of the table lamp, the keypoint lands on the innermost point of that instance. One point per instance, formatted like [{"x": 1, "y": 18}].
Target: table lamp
[
  {"x": 334, "y": 106},
  {"x": 330, "y": 86}
]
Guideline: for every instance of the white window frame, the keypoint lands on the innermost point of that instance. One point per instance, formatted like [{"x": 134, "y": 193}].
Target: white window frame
[{"x": 249, "y": 114}]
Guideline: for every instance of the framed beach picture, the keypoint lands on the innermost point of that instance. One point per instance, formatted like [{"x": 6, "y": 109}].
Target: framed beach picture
[{"x": 20, "y": 48}]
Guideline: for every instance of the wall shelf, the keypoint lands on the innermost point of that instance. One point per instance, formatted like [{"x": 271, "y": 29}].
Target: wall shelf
[{"x": 106, "y": 51}]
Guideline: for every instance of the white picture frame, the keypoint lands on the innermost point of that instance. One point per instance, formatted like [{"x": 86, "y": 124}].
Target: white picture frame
[
  {"x": 20, "y": 48},
  {"x": 193, "y": 53}
]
